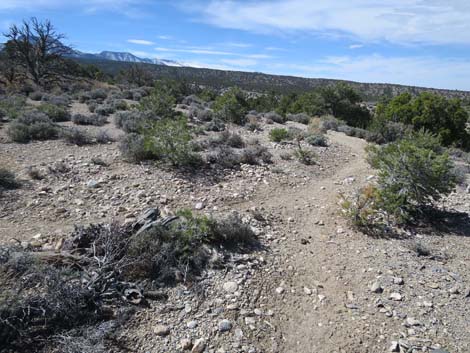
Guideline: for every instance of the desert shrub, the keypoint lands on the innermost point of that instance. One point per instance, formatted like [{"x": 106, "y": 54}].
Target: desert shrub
[
  {"x": 329, "y": 122},
  {"x": 7, "y": 179},
  {"x": 317, "y": 140},
  {"x": 348, "y": 130},
  {"x": 201, "y": 114},
  {"x": 118, "y": 104},
  {"x": 299, "y": 118},
  {"x": 375, "y": 137},
  {"x": 252, "y": 123},
  {"x": 133, "y": 149},
  {"x": 102, "y": 137},
  {"x": 31, "y": 126},
  {"x": 232, "y": 106},
  {"x": 131, "y": 121},
  {"x": 76, "y": 136},
  {"x": 286, "y": 155},
  {"x": 12, "y": 106},
  {"x": 36, "y": 95},
  {"x": 413, "y": 173},
  {"x": 255, "y": 154},
  {"x": 170, "y": 140},
  {"x": 232, "y": 232},
  {"x": 97, "y": 94},
  {"x": 104, "y": 110},
  {"x": 227, "y": 138},
  {"x": 56, "y": 113},
  {"x": 57, "y": 303},
  {"x": 273, "y": 116},
  {"x": 160, "y": 103},
  {"x": 84, "y": 97},
  {"x": 96, "y": 120},
  {"x": 224, "y": 157},
  {"x": 62, "y": 100},
  {"x": 92, "y": 105},
  {"x": 304, "y": 156},
  {"x": 393, "y": 131},
  {"x": 460, "y": 172},
  {"x": 192, "y": 99},
  {"x": 278, "y": 134},
  {"x": 215, "y": 125}
]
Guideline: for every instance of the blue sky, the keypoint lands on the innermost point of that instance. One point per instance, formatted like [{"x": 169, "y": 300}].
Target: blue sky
[{"x": 416, "y": 42}]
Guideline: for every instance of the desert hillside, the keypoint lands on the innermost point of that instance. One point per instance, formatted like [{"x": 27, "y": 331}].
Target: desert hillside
[{"x": 159, "y": 215}]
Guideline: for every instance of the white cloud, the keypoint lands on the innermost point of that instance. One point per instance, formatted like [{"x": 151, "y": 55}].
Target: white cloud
[
  {"x": 140, "y": 41},
  {"x": 165, "y": 37},
  {"x": 237, "y": 45},
  {"x": 356, "y": 46},
  {"x": 398, "y": 21},
  {"x": 127, "y": 7},
  {"x": 210, "y": 51},
  {"x": 417, "y": 71}
]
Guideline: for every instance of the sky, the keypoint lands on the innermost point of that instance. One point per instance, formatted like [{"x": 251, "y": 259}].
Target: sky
[{"x": 413, "y": 42}]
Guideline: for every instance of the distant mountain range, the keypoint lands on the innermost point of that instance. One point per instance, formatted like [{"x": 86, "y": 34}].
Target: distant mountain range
[{"x": 123, "y": 57}]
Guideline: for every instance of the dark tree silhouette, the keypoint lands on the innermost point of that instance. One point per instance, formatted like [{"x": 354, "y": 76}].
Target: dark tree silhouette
[{"x": 37, "y": 48}]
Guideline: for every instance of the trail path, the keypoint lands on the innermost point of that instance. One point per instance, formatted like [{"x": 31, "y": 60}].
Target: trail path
[{"x": 319, "y": 263}]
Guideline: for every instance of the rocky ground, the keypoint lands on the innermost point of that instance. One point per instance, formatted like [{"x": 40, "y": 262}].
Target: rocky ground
[{"x": 316, "y": 285}]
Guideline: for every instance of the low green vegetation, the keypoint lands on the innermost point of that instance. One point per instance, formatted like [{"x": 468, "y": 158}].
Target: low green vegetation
[
  {"x": 278, "y": 134},
  {"x": 232, "y": 106},
  {"x": 56, "y": 113},
  {"x": 444, "y": 117},
  {"x": 169, "y": 140},
  {"x": 413, "y": 174}
]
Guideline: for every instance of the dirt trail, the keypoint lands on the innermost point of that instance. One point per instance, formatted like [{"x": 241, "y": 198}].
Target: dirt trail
[{"x": 318, "y": 265}]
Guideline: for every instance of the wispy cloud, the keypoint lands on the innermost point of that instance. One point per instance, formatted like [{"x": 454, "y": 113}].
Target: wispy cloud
[
  {"x": 237, "y": 45},
  {"x": 165, "y": 37},
  {"x": 356, "y": 46},
  {"x": 451, "y": 73},
  {"x": 398, "y": 21},
  {"x": 126, "y": 7},
  {"x": 140, "y": 41},
  {"x": 211, "y": 51}
]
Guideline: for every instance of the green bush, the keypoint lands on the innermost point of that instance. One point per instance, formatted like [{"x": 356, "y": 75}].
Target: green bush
[
  {"x": 437, "y": 114},
  {"x": 160, "y": 103},
  {"x": 278, "y": 134},
  {"x": 413, "y": 173},
  {"x": 133, "y": 149},
  {"x": 232, "y": 106},
  {"x": 343, "y": 102},
  {"x": 170, "y": 140},
  {"x": 56, "y": 113},
  {"x": 32, "y": 126}
]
